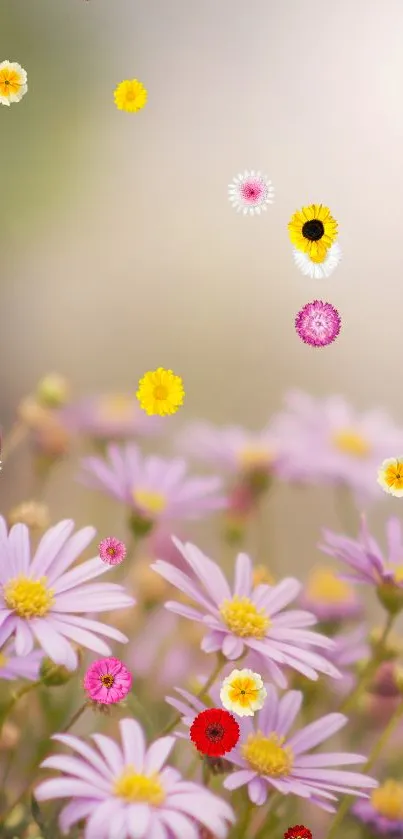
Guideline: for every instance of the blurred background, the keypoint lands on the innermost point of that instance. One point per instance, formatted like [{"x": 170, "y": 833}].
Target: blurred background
[{"x": 120, "y": 251}]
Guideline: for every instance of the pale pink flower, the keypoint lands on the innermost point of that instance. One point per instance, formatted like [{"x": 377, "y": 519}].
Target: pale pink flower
[
  {"x": 14, "y": 666},
  {"x": 108, "y": 416}
]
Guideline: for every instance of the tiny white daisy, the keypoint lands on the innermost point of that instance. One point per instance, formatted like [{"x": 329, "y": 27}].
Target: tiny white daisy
[
  {"x": 318, "y": 270},
  {"x": 250, "y": 192},
  {"x": 13, "y": 82},
  {"x": 243, "y": 692}
]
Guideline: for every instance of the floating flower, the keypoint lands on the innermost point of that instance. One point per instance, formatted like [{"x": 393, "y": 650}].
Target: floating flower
[
  {"x": 313, "y": 230},
  {"x": 247, "y": 618},
  {"x": 329, "y": 597},
  {"x": 114, "y": 416},
  {"x": 243, "y": 692},
  {"x": 130, "y": 96},
  {"x": 326, "y": 441},
  {"x": 267, "y": 758},
  {"x": 250, "y": 192},
  {"x": 39, "y": 596},
  {"x": 383, "y": 812},
  {"x": 126, "y": 791},
  {"x": 390, "y": 476},
  {"x": 112, "y": 551},
  {"x": 107, "y": 681},
  {"x": 13, "y": 666},
  {"x": 313, "y": 268},
  {"x": 299, "y": 831},
  {"x": 160, "y": 392},
  {"x": 13, "y": 82},
  {"x": 154, "y": 488},
  {"x": 318, "y": 324},
  {"x": 214, "y": 732}
]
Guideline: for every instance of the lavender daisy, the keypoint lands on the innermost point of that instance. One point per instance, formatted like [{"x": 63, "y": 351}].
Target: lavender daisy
[
  {"x": 14, "y": 666},
  {"x": 154, "y": 488},
  {"x": 329, "y": 598},
  {"x": 247, "y": 618},
  {"x": 234, "y": 450},
  {"x": 127, "y": 791},
  {"x": 327, "y": 441},
  {"x": 40, "y": 597},
  {"x": 108, "y": 417},
  {"x": 367, "y": 563},
  {"x": 383, "y": 812},
  {"x": 267, "y": 757}
]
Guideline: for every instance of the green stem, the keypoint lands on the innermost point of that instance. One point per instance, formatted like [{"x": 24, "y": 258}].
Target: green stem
[
  {"x": 74, "y": 718},
  {"x": 243, "y": 824},
  {"x": 220, "y": 664},
  {"x": 374, "y": 754},
  {"x": 137, "y": 708},
  {"x": 370, "y": 669},
  {"x": 15, "y": 698}
]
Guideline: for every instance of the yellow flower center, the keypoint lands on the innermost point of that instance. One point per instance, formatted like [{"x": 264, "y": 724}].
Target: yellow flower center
[
  {"x": 107, "y": 680},
  {"x": 160, "y": 392},
  {"x": 267, "y": 755},
  {"x": 137, "y": 788},
  {"x": 29, "y": 598},
  {"x": 242, "y": 617},
  {"x": 394, "y": 475},
  {"x": 397, "y": 572},
  {"x": 349, "y": 442},
  {"x": 3, "y": 660},
  {"x": 387, "y": 800},
  {"x": 243, "y": 690},
  {"x": 262, "y": 576},
  {"x": 254, "y": 457},
  {"x": 10, "y": 82},
  {"x": 150, "y": 502},
  {"x": 118, "y": 407},
  {"x": 324, "y": 586}
]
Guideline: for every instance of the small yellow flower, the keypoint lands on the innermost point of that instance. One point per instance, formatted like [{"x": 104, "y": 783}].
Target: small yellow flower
[
  {"x": 130, "y": 95},
  {"x": 313, "y": 230},
  {"x": 13, "y": 82},
  {"x": 160, "y": 392},
  {"x": 243, "y": 692},
  {"x": 390, "y": 476}
]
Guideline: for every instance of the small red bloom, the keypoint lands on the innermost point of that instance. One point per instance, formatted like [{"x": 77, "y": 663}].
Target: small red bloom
[
  {"x": 214, "y": 732},
  {"x": 299, "y": 831}
]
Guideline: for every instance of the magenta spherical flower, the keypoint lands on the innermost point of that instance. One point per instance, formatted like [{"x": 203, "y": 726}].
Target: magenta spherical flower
[
  {"x": 112, "y": 550},
  {"x": 107, "y": 681},
  {"x": 318, "y": 323}
]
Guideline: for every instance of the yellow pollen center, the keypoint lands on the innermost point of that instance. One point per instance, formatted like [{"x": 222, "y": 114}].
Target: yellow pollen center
[
  {"x": 324, "y": 586},
  {"x": 267, "y": 755},
  {"x": 397, "y": 571},
  {"x": 119, "y": 407},
  {"x": 138, "y": 788},
  {"x": 29, "y": 598},
  {"x": 3, "y": 660},
  {"x": 349, "y": 442},
  {"x": 150, "y": 502},
  {"x": 387, "y": 800},
  {"x": 243, "y": 691},
  {"x": 394, "y": 475},
  {"x": 243, "y": 618},
  {"x": 107, "y": 680},
  {"x": 160, "y": 392},
  {"x": 254, "y": 457},
  {"x": 111, "y": 551}
]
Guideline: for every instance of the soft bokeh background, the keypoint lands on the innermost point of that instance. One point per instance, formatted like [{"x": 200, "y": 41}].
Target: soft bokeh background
[{"x": 119, "y": 250}]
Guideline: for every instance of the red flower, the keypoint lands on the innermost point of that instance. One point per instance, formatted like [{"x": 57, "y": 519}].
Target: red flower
[
  {"x": 214, "y": 732},
  {"x": 299, "y": 831}
]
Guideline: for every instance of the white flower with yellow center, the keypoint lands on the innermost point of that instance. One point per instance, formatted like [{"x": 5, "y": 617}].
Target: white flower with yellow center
[
  {"x": 243, "y": 692},
  {"x": 13, "y": 82},
  {"x": 318, "y": 269}
]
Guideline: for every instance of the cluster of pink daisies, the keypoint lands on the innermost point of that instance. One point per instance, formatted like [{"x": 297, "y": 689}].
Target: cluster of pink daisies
[{"x": 206, "y": 775}]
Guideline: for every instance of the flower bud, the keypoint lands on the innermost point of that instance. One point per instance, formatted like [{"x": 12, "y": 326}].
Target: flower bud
[
  {"x": 52, "y": 391},
  {"x": 391, "y": 649},
  {"x": 139, "y": 526},
  {"x": 32, "y": 513},
  {"x": 55, "y": 675},
  {"x": 391, "y": 597}
]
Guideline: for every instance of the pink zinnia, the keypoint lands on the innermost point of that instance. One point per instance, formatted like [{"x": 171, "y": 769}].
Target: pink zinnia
[
  {"x": 318, "y": 323},
  {"x": 126, "y": 791},
  {"x": 41, "y": 600},
  {"x": 107, "y": 681},
  {"x": 112, "y": 551},
  {"x": 249, "y": 618},
  {"x": 267, "y": 758}
]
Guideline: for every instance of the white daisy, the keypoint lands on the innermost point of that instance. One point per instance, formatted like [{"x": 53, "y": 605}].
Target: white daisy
[
  {"x": 250, "y": 192},
  {"x": 318, "y": 270},
  {"x": 13, "y": 82}
]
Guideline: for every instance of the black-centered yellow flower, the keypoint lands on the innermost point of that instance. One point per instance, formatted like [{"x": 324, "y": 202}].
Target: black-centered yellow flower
[{"x": 313, "y": 230}]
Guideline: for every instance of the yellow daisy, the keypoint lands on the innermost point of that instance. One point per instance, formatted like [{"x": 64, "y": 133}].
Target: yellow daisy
[
  {"x": 160, "y": 392},
  {"x": 130, "y": 96},
  {"x": 390, "y": 476},
  {"x": 313, "y": 230},
  {"x": 243, "y": 692},
  {"x": 13, "y": 82}
]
